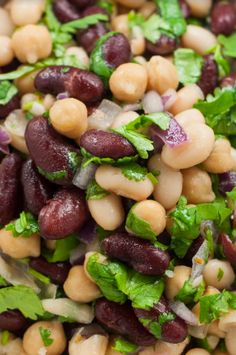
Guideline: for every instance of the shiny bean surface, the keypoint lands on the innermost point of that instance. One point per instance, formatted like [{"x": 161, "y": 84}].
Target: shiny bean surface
[
  {"x": 12, "y": 321},
  {"x": 65, "y": 11}
]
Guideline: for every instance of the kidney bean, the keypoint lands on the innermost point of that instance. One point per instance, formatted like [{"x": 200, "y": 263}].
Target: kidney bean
[
  {"x": 223, "y": 18},
  {"x": 65, "y": 11},
  {"x": 10, "y": 188},
  {"x": 105, "y": 144},
  {"x": 185, "y": 8},
  {"x": 57, "y": 272},
  {"x": 140, "y": 254},
  {"x": 12, "y": 321},
  {"x": 164, "y": 46},
  {"x": 51, "y": 153},
  {"x": 81, "y": 4},
  {"x": 13, "y": 104},
  {"x": 193, "y": 250},
  {"x": 64, "y": 214},
  {"x": 87, "y": 38},
  {"x": 228, "y": 247},
  {"x": 93, "y": 10},
  {"x": 122, "y": 320},
  {"x": 209, "y": 77},
  {"x": 229, "y": 80},
  {"x": 80, "y": 84},
  {"x": 172, "y": 331},
  {"x": 37, "y": 190},
  {"x": 116, "y": 50}
]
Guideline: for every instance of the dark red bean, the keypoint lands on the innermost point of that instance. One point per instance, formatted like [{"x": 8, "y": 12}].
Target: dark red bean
[
  {"x": 122, "y": 320},
  {"x": 164, "y": 46},
  {"x": 209, "y": 77},
  {"x": 37, "y": 190},
  {"x": 228, "y": 247},
  {"x": 87, "y": 38},
  {"x": 64, "y": 214},
  {"x": 81, "y": 4},
  {"x": 93, "y": 10},
  {"x": 172, "y": 331},
  {"x": 51, "y": 153},
  {"x": 12, "y": 321},
  {"x": 116, "y": 50},
  {"x": 106, "y": 144},
  {"x": 140, "y": 254},
  {"x": 13, "y": 104},
  {"x": 223, "y": 18},
  {"x": 193, "y": 250},
  {"x": 80, "y": 84},
  {"x": 10, "y": 188},
  {"x": 57, "y": 272},
  {"x": 185, "y": 8},
  {"x": 65, "y": 11},
  {"x": 229, "y": 80}
]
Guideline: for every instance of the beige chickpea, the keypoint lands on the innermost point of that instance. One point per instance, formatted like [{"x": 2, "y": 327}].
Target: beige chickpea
[
  {"x": 233, "y": 155},
  {"x": 94, "y": 345},
  {"x": 220, "y": 160},
  {"x": 6, "y": 52},
  {"x": 6, "y": 24},
  {"x": 19, "y": 247},
  {"x": 190, "y": 116},
  {"x": 80, "y": 54},
  {"x": 15, "y": 124},
  {"x": 121, "y": 24},
  {"x": 197, "y": 351},
  {"x": 25, "y": 84},
  {"x": 147, "y": 9},
  {"x": 108, "y": 211},
  {"x": 214, "y": 329},
  {"x": 164, "y": 348},
  {"x": 174, "y": 284},
  {"x": 227, "y": 321},
  {"x": 32, "y": 341},
  {"x": 137, "y": 42},
  {"x": 219, "y": 274},
  {"x": 111, "y": 179},
  {"x": 128, "y": 82},
  {"x": 170, "y": 182},
  {"x": 69, "y": 117},
  {"x": 78, "y": 287},
  {"x": 48, "y": 101},
  {"x": 50, "y": 244},
  {"x": 197, "y": 186},
  {"x": 162, "y": 74},
  {"x": 140, "y": 60},
  {"x": 24, "y": 12},
  {"x": 124, "y": 118},
  {"x": 151, "y": 212},
  {"x": 131, "y": 3},
  {"x": 186, "y": 98},
  {"x": 199, "y": 8},
  {"x": 31, "y": 43},
  {"x": 219, "y": 352},
  {"x": 230, "y": 341},
  {"x": 193, "y": 38}
]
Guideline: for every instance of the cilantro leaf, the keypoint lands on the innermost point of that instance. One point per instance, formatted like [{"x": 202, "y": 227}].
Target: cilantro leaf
[
  {"x": 37, "y": 275},
  {"x": 160, "y": 119},
  {"x": 53, "y": 175},
  {"x": 45, "y": 336},
  {"x": 25, "y": 226},
  {"x": 124, "y": 346},
  {"x": 62, "y": 250},
  {"x": 22, "y": 298},
  {"x": 213, "y": 306},
  {"x": 155, "y": 327},
  {"x": 82, "y": 23},
  {"x": 189, "y": 65},
  {"x": 222, "y": 64},
  {"x": 189, "y": 294},
  {"x": 136, "y": 172},
  {"x": 106, "y": 5},
  {"x": 95, "y": 192},
  {"x": 232, "y": 195},
  {"x": 139, "y": 226},
  {"x": 5, "y": 337},
  {"x": 229, "y": 44},
  {"x": 50, "y": 19},
  {"x": 7, "y": 91},
  {"x": 89, "y": 158}
]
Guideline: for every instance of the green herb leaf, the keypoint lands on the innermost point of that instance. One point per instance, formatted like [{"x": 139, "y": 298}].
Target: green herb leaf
[
  {"x": 5, "y": 336},
  {"x": 62, "y": 250},
  {"x": 106, "y": 5},
  {"x": 25, "y": 226},
  {"x": 45, "y": 336},
  {"x": 3, "y": 282},
  {"x": 124, "y": 346},
  {"x": 222, "y": 64},
  {"x": 189, "y": 65},
  {"x": 22, "y": 298},
  {"x": 89, "y": 158},
  {"x": 139, "y": 226},
  {"x": 50, "y": 19},
  {"x": 7, "y": 91},
  {"x": 95, "y": 192},
  {"x": 82, "y": 23},
  {"x": 213, "y": 306},
  {"x": 232, "y": 195},
  {"x": 189, "y": 294},
  {"x": 44, "y": 279},
  {"x": 134, "y": 171},
  {"x": 155, "y": 327},
  {"x": 74, "y": 160},
  {"x": 229, "y": 44},
  {"x": 220, "y": 274},
  {"x": 161, "y": 119},
  {"x": 53, "y": 175}
]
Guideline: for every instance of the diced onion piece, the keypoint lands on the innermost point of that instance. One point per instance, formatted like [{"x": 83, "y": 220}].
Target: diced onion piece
[
  {"x": 132, "y": 107},
  {"x": 77, "y": 255},
  {"x": 103, "y": 117},
  {"x": 199, "y": 261},
  {"x": 16, "y": 123},
  {"x": 152, "y": 102},
  {"x": 183, "y": 312},
  {"x": 84, "y": 176}
]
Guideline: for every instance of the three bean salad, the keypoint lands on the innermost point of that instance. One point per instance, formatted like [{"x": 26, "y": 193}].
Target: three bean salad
[{"x": 117, "y": 177}]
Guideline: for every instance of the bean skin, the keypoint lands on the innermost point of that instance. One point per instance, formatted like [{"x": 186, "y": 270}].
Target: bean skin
[
  {"x": 87, "y": 38},
  {"x": 37, "y": 190},
  {"x": 80, "y": 84},
  {"x": 50, "y": 151},
  {"x": 57, "y": 272},
  {"x": 13, "y": 104},
  {"x": 172, "y": 331},
  {"x": 122, "y": 320},
  {"x": 116, "y": 50},
  {"x": 12, "y": 321},
  {"x": 209, "y": 77},
  {"x": 164, "y": 46},
  {"x": 81, "y": 4},
  {"x": 193, "y": 250},
  {"x": 139, "y": 254},
  {"x": 65, "y": 11},
  {"x": 93, "y": 10},
  {"x": 223, "y": 18},
  {"x": 228, "y": 247},
  {"x": 10, "y": 189},
  {"x": 64, "y": 214},
  {"x": 105, "y": 144}
]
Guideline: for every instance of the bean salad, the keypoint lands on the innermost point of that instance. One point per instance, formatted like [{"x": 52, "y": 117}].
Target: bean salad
[{"x": 117, "y": 177}]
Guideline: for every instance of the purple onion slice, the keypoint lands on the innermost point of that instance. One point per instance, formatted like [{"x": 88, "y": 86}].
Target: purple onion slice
[
  {"x": 5, "y": 139},
  {"x": 228, "y": 247},
  {"x": 227, "y": 182}
]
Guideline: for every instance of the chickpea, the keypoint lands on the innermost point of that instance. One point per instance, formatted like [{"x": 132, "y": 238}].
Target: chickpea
[
  {"x": 233, "y": 155},
  {"x": 19, "y": 247},
  {"x": 78, "y": 287},
  {"x": 138, "y": 43},
  {"x": 186, "y": 98},
  {"x": 69, "y": 117},
  {"x": 15, "y": 125},
  {"x": 32, "y": 341},
  {"x": 31, "y": 43},
  {"x": 13, "y": 347},
  {"x": 174, "y": 284},
  {"x": 164, "y": 348},
  {"x": 81, "y": 55},
  {"x": 6, "y": 53},
  {"x": 214, "y": 329},
  {"x": 124, "y": 118},
  {"x": 170, "y": 182},
  {"x": 108, "y": 212},
  {"x": 120, "y": 24},
  {"x": 131, "y": 3},
  {"x": 219, "y": 352},
  {"x": 147, "y": 9},
  {"x": 200, "y": 8},
  {"x": 94, "y": 345},
  {"x": 162, "y": 74},
  {"x": 128, "y": 82},
  {"x": 111, "y": 179},
  {"x": 193, "y": 38},
  {"x": 140, "y": 60},
  {"x": 197, "y": 351},
  {"x": 197, "y": 186},
  {"x": 227, "y": 321},
  {"x": 6, "y": 24},
  {"x": 220, "y": 160},
  {"x": 25, "y": 84},
  {"x": 190, "y": 116},
  {"x": 48, "y": 101},
  {"x": 24, "y": 12},
  {"x": 230, "y": 341},
  {"x": 219, "y": 274}
]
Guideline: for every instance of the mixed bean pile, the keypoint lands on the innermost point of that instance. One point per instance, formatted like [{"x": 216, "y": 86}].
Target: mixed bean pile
[{"x": 117, "y": 177}]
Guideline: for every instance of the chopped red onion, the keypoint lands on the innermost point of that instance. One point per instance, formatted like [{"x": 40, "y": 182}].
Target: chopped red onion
[
  {"x": 84, "y": 176},
  {"x": 209, "y": 225},
  {"x": 77, "y": 255},
  {"x": 183, "y": 312},
  {"x": 199, "y": 261},
  {"x": 228, "y": 247},
  {"x": 5, "y": 139},
  {"x": 169, "y": 98},
  {"x": 152, "y": 102},
  {"x": 227, "y": 182},
  {"x": 88, "y": 233},
  {"x": 62, "y": 96},
  {"x": 103, "y": 117}
]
